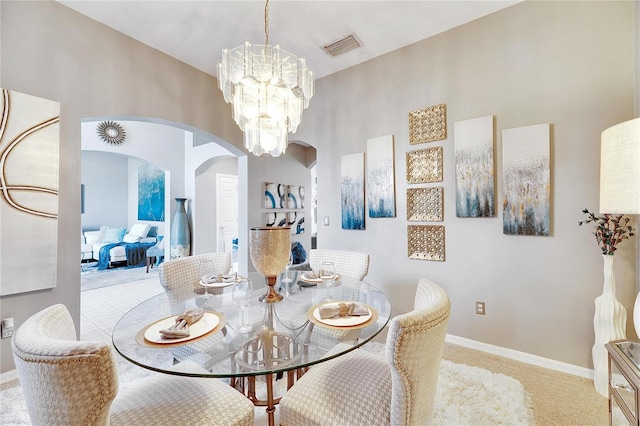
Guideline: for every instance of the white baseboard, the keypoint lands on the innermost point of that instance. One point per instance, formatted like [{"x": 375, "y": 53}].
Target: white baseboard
[
  {"x": 522, "y": 356},
  {"x": 8, "y": 376}
]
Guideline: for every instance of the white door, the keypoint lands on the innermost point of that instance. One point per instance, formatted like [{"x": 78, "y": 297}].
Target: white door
[{"x": 227, "y": 212}]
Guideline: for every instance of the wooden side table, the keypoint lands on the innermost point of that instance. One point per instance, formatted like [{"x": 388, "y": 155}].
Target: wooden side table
[{"x": 624, "y": 379}]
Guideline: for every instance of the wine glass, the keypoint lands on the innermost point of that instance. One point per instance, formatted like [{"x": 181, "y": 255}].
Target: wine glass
[
  {"x": 327, "y": 275},
  {"x": 241, "y": 294},
  {"x": 286, "y": 278},
  {"x": 206, "y": 269}
]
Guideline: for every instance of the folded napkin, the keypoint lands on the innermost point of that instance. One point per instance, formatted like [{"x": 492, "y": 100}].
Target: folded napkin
[
  {"x": 342, "y": 309},
  {"x": 181, "y": 327},
  {"x": 210, "y": 279}
]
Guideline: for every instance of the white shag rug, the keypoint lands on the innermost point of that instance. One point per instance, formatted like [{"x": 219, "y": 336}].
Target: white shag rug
[{"x": 465, "y": 396}]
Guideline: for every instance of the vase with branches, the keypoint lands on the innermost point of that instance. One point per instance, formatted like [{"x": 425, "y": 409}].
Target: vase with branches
[{"x": 610, "y": 319}]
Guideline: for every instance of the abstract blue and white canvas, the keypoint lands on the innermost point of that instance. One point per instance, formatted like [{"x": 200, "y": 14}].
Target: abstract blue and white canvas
[
  {"x": 150, "y": 193},
  {"x": 296, "y": 222},
  {"x": 352, "y": 191},
  {"x": 527, "y": 180},
  {"x": 381, "y": 184},
  {"x": 274, "y": 195},
  {"x": 276, "y": 219},
  {"x": 475, "y": 183},
  {"x": 295, "y": 197}
]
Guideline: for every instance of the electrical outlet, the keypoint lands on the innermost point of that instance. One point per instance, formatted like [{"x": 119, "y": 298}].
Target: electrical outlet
[
  {"x": 7, "y": 328},
  {"x": 480, "y": 308}
]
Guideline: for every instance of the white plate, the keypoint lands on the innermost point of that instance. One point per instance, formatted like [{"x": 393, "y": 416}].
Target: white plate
[
  {"x": 227, "y": 280},
  {"x": 208, "y": 322},
  {"x": 349, "y": 321},
  {"x": 311, "y": 277}
]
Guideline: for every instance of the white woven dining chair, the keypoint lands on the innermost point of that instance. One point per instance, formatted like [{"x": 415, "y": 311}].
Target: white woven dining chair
[
  {"x": 71, "y": 382},
  {"x": 351, "y": 264},
  {"x": 364, "y": 388},
  {"x": 182, "y": 272}
]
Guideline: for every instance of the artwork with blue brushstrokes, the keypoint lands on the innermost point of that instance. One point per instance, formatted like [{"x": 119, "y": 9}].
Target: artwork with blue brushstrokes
[
  {"x": 475, "y": 183},
  {"x": 150, "y": 193},
  {"x": 274, "y": 195},
  {"x": 527, "y": 180},
  {"x": 352, "y": 191},
  {"x": 296, "y": 222},
  {"x": 276, "y": 219},
  {"x": 381, "y": 177},
  {"x": 295, "y": 197}
]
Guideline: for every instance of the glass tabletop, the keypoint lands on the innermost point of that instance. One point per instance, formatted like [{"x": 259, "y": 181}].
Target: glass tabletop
[{"x": 284, "y": 336}]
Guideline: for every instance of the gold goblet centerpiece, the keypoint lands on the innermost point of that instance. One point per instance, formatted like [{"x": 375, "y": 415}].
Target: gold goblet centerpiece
[{"x": 269, "y": 249}]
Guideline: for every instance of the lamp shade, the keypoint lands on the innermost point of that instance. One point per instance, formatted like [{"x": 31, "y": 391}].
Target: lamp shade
[{"x": 620, "y": 168}]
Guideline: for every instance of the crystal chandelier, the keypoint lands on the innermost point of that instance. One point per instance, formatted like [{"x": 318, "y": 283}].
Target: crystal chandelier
[{"x": 268, "y": 88}]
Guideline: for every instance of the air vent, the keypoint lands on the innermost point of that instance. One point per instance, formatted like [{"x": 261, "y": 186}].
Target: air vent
[{"x": 343, "y": 45}]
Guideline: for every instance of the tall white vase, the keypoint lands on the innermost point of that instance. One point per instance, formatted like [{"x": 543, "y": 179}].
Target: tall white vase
[{"x": 609, "y": 323}]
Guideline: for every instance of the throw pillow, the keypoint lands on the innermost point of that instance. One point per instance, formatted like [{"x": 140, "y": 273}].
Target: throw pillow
[
  {"x": 128, "y": 238},
  {"x": 298, "y": 252},
  {"x": 111, "y": 234}
]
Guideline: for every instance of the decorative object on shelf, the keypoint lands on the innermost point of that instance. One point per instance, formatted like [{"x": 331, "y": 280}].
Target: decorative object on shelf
[
  {"x": 426, "y": 242},
  {"x": 29, "y": 178},
  {"x": 425, "y": 204},
  {"x": 111, "y": 132},
  {"x": 428, "y": 125},
  {"x": 269, "y": 249},
  {"x": 274, "y": 195},
  {"x": 610, "y": 319},
  {"x": 527, "y": 180},
  {"x": 295, "y": 196},
  {"x": 475, "y": 178},
  {"x": 381, "y": 177},
  {"x": 424, "y": 165},
  {"x": 180, "y": 233},
  {"x": 352, "y": 191},
  {"x": 269, "y": 88},
  {"x": 620, "y": 178}
]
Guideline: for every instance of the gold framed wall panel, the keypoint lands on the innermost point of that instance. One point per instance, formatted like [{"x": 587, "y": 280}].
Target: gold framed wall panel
[
  {"x": 425, "y": 204},
  {"x": 428, "y": 125},
  {"x": 426, "y": 242},
  {"x": 424, "y": 165}
]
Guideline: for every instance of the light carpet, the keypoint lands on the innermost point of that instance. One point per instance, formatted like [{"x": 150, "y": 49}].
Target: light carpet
[
  {"x": 465, "y": 396},
  {"x": 91, "y": 278}
]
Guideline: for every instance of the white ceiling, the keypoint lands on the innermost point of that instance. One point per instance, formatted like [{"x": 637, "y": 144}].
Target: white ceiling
[{"x": 195, "y": 32}]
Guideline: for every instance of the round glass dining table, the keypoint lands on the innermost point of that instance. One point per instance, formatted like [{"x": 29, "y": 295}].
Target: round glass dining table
[{"x": 284, "y": 339}]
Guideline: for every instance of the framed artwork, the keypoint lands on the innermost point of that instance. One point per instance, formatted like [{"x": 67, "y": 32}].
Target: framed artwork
[
  {"x": 424, "y": 165},
  {"x": 352, "y": 191},
  {"x": 29, "y": 178},
  {"x": 381, "y": 184},
  {"x": 276, "y": 219},
  {"x": 295, "y": 197},
  {"x": 475, "y": 183},
  {"x": 425, "y": 204},
  {"x": 274, "y": 195},
  {"x": 296, "y": 221},
  {"x": 428, "y": 125},
  {"x": 150, "y": 193},
  {"x": 426, "y": 242},
  {"x": 527, "y": 180}
]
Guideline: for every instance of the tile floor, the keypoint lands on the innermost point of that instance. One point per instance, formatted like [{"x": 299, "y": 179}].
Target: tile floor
[{"x": 101, "y": 308}]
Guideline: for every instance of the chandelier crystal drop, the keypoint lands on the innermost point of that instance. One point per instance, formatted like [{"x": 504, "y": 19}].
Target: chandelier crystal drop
[{"x": 268, "y": 88}]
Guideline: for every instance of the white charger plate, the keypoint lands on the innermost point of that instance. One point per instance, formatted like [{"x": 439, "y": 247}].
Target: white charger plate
[
  {"x": 312, "y": 278},
  {"x": 208, "y": 322},
  {"x": 348, "y": 321}
]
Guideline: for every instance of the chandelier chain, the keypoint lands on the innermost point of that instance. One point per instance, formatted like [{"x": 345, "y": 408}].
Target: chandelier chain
[{"x": 266, "y": 23}]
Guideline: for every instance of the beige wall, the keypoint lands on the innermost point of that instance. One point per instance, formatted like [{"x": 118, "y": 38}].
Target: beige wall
[{"x": 565, "y": 63}]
